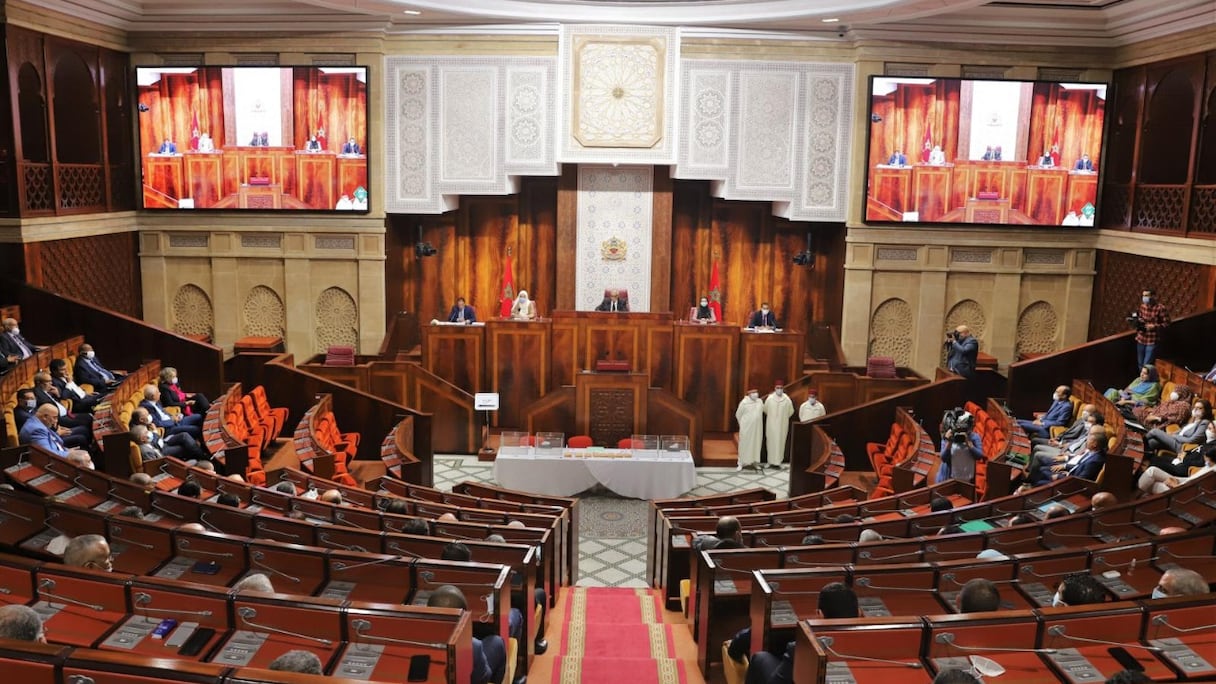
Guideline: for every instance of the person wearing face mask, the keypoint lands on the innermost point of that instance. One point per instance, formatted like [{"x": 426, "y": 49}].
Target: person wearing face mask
[
  {"x": 750, "y": 415},
  {"x": 1180, "y": 582},
  {"x": 1079, "y": 589},
  {"x": 524, "y": 309},
  {"x": 1188, "y": 455},
  {"x": 704, "y": 313},
  {"x": 1086, "y": 465},
  {"x": 1052, "y": 454},
  {"x": 1151, "y": 318},
  {"x": 14, "y": 345},
  {"x": 1156, "y": 480},
  {"x": 1077, "y": 430},
  {"x": 1193, "y": 432},
  {"x": 778, "y": 409},
  {"x": 88, "y": 370},
  {"x": 962, "y": 351},
  {"x": 172, "y": 394},
  {"x": 178, "y": 445},
  {"x": 1058, "y": 414},
  {"x": 73, "y": 437},
  {"x": 812, "y": 408},
  {"x": 42, "y": 431},
  {"x": 1174, "y": 410},
  {"x": 1144, "y": 390},
  {"x": 613, "y": 302},
  {"x": 763, "y": 319}
]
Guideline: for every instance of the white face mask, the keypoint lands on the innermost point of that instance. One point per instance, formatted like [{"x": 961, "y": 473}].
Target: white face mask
[
  {"x": 704, "y": 303},
  {"x": 1198, "y": 413},
  {"x": 89, "y": 354},
  {"x": 813, "y": 399},
  {"x": 779, "y": 391},
  {"x": 1211, "y": 434},
  {"x": 1158, "y": 593},
  {"x": 763, "y": 311},
  {"x": 173, "y": 381},
  {"x": 753, "y": 395},
  {"x": 1057, "y": 601},
  {"x": 1173, "y": 396},
  {"x": 1055, "y": 396},
  {"x": 1146, "y": 300},
  {"x": 31, "y": 403},
  {"x": 16, "y": 330}
]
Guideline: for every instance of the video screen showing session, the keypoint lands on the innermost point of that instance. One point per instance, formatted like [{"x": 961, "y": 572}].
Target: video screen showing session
[
  {"x": 948, "y": 150},
  {"x": 253, "y": 138}
]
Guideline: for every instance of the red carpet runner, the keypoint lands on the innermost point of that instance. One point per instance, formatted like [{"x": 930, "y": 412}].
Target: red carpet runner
[{"x": 614, "y": 635}]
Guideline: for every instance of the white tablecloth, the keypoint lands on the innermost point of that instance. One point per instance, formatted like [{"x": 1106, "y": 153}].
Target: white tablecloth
[{"x": 644, "y": 475}]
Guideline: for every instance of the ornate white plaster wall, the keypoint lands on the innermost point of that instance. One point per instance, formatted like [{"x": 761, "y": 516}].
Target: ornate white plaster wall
[{"x": 614, "y": 203}]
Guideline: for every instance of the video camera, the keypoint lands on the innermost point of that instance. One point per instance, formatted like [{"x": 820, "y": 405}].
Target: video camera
[
  {"x": 959, "y": 423},
  {"x": 1133, "y": 319}
]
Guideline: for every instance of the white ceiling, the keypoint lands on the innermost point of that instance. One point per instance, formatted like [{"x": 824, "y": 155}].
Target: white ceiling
[{"x": 1043, "y": 22}]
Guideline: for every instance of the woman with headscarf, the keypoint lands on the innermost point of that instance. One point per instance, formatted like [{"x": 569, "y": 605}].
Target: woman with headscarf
[
  {"x": 523, "y": 309},
  {"x": 705, "y": 312},
  {"x": 1143, "y": 391},
  {"x": 1173, "y": 410}
]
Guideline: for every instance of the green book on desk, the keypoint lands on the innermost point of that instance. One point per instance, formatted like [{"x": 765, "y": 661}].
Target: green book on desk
[{"x": 976, "y": 526}]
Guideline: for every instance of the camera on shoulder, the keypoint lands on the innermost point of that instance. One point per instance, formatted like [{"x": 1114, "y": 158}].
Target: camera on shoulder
[{"x": 959, "y": 423}]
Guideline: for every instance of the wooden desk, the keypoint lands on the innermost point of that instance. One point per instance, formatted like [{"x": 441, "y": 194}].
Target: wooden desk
[
  {"x": 1045, "y": 194},
  {"x": 163, "y": 173},
  {"x": 766, "y": 357},
  {"x": 705, "y": 374},
  {"x": 352, "y": 173},
  {"x": 455, "y": 353},
  {"x": 315, "y": 179},
  {"x": 1082, "y": 190},
  {"x": 891, "y": 185},
  {"x": 931, "y": 190},
  {"x": 204, "y": 178},
  {"x": 580, "y": 338},
  {"x": 517, "y": 365}
]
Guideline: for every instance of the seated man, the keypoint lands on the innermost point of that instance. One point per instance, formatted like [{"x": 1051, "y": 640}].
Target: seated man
[
  {"x": 1180, "y": 582},
  {"x": 41, "y": 431},
  {"x": 13, "y": 344},
  {"x": 1078, "y": 429},
  {"x": 1188, "y": 456},
  {"x": 455, "y": 551},
  {"x": 462, "y": 313},
  {"x": 728, "y": 528},
  {"x": 766, "y": 667},
  {"x": 90, "y": 551},
  {"x": 1086, "y": 465},
  {"x": 1079, "y": 589},
  {"x": 73, "y": 438},
  {"x": 1154, "y": 480},
  {"x": 1047, "y": 455},
  {"x": 82, "y": 401},
  {"x": 979, "y": 595},
  {"x": 613, "y": 302},
  {"x": 297, "y": 660},
  {"x": 173, "y": 424},
  {"x": 1058, "y": 414},
  {"x": 489, "y": 651},
  {"x": 89, "y": 371},
  {"x": 764, "y": 318},
  {"x": 179, "y": 445},
  {"x": 21, "y": 623},
  {"x": 46, "y": 393}
]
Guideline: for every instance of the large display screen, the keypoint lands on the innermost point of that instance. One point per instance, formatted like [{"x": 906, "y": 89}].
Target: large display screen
[
  {"x": 950, "y": 150},
  {"x": 253, "y": 138}
]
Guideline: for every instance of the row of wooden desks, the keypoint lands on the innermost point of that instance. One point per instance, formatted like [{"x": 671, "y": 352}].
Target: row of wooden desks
[
  {"x": 709, "y": 366},
  {"x": 316, "y": 179}
]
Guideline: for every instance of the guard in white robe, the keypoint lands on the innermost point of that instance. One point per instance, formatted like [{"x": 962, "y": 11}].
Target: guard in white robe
[
  {"x": 778, "y": 409},
  {"x": 750, "y": 415},
  {"x": 812, "y": 408}
]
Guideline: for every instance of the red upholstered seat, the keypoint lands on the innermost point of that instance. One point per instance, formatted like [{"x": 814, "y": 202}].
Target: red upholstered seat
[
  {"x": 880, "y": 367},
  {"x": 579, "y": 442}
]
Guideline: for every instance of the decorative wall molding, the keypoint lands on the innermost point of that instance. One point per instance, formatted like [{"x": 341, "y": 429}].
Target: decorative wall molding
[
  {"x": 618, "y": 94},
  {"x": 189, "y": 240},
  {"x": 262, "y": 240},
  {"x": 897, "y": 254},
  {"x": 776, "y": 131},
  {"x": 464, "y": 125},
  {"x": 614, "y": 203}
]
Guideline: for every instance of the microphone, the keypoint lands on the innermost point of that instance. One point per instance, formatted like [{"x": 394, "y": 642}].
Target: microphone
[
  {"x": 1062, "y": 632},
  {"x": 247, "y": 615},
  {"x": 49, "y": 584},
  {"x": 1164, "y": 621},
  {"x": 826, "y": 643},
  {"x": 947, "y": 638}
]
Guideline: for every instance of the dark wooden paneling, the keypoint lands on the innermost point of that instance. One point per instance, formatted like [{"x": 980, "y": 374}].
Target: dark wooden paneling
[
  {"x": 768, "y": 357},
  {"x": 660, "y": 246},
  {"x": 101, "y": 270},
  {"x": 517, "y": 366},
  {"x": 566, "y": 236},
  {"x": 704, "y": 374},
  {"x": 1183, "y": 288},
  {"x": 456, "y": 354}
]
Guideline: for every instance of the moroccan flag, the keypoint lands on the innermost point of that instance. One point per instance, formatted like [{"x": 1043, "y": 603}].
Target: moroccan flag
[
  {"x": 194, "y": 132},
  {"x": 715, "y": 293},
  {"x": 928, "y": 146},
  {"x": 508, "y": 290}
]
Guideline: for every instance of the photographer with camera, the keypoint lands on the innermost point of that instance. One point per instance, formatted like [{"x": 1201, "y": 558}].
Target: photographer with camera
[
  {"x": 961, "y": 351},
  {"x": 1148, "y": 320},
  {"x": 961, "y": 447}
]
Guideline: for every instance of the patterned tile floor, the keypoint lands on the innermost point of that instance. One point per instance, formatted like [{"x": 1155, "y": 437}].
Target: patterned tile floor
[{"x": 612, "y": 535}]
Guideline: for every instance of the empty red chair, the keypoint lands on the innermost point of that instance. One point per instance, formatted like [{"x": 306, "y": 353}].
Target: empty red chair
[{"x": 579, "y": 442}]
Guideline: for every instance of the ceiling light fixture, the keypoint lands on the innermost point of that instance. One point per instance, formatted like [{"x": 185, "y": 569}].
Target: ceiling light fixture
[
  {"x": 830, "y": 21},
  {"x": 413, "y": 13}
]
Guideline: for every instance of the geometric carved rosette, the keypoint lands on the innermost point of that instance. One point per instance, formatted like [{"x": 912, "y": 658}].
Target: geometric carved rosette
[
  {"x": 337, "y": 319},
  {"x": 1038, "y": 326},
  {"x": 263, "y": 313},
  {"x": 192, "y": 312},
  {"x": 891, "y": 331}
]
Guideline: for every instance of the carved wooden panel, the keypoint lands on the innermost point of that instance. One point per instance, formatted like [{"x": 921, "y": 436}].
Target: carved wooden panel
[
  {"x": 1183, "y": 288},
  {"x": 705, "y": 372},
  {"x": 101, "y": 270},
  {"x": 611, "y": 415},
  {"x": 517, "y": 365},
  {"x": 610, "y": 406},
  {"x": 455, "y": 353}
]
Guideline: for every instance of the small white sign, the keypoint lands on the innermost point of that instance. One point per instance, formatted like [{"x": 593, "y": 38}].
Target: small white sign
[{"x": 485, "y": 401}]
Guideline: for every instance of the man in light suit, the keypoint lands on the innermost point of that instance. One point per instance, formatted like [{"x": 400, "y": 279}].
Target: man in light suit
[
  {"x": 191, "y": 425},
  {"x": 1059, "y": 414},
  {"x": 13, "y": 343},
  {"x": 1086, "y": 465},
  {"x": 27, "y": 404},
  {"x": 462, "y": 313},
  {"x": 89, "y": 371},
  {"x": 764, "y": 318},
  {"x": 42, "y": 430},
  {"x": 180, "y": 445}
]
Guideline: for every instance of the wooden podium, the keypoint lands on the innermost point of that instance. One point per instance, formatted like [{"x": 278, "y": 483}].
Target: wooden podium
[
  {"x": 204, "y": 178},
  {"x": 704, "y": 370},
  {"x": 891, "y": 185},
  {"x": 163, "y": 173},
  {"x": 609, "y": 407},
  {"x": 931, "y": 190},
  {"x": 455, "y": 353},
  {"x": 517, "y": 360},
  {"x": 765, "y": 354}
]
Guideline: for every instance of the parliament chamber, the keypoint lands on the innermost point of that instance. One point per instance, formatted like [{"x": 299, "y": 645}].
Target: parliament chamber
[{"x": 406, "y": 341}]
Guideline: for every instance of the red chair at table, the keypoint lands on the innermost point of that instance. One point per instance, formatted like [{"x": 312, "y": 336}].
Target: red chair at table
[{"x": 579, "y": 442}]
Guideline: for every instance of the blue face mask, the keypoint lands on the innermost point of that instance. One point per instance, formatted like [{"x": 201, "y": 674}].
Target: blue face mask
[
  {"x": 1159, "y": 593},
  {"x": 1057, "y": 601},
  {"x": 1146, "y": 300}
]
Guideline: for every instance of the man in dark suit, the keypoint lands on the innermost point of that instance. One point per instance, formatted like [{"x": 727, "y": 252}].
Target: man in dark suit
[
  {"x": 77, "y": 437},
  {"x": 13, "y": 343},
  {"x": 81, "y": 400},
  {"x": 1047, "y": 160},
  {"x": 898, "y": 158},
  {"x": 613, "y": 302},
  {"x": 180, "y": 445},
  {"x": 89, "y": 371},
  {"x": 462, "y": 313},
  {"x": 351, "y": 147},
  {"x": 191, "y": 425},
  {"x": 989, "y": 155},
  {"x": 1084, "y": 163},
  {"x": 1058, "y": 415},
  {"x": 1085, "y": 465},
  {"x": 46, "y": 393},
  {"x": 167, "y": 147},
  {"x": 764, "y": 318},
  {"x": 961, "y": 352}
]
